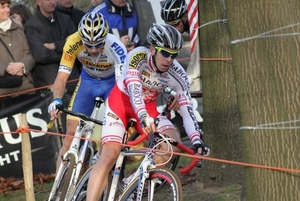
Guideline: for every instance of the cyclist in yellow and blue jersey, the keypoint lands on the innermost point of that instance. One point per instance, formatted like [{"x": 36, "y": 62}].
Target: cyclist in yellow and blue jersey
[{"x": 101, "y": 55}]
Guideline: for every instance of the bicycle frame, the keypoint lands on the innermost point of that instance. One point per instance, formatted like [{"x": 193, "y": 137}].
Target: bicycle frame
[
  {"x": 84, "y": 128},
  {"x": 113, "y": 187},
  {"x": 142, "y": 171}
]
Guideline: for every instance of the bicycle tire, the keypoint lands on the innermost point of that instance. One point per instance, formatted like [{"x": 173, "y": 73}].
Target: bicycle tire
[
  {"x": 64, "y": 179},
  {"x": 172, "y": 166},
  {"x": 81, "y": 188},
  {"x": 156, "y": 175}
]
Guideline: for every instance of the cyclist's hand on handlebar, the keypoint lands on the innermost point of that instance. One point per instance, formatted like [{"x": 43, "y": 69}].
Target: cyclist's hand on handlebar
[
  {"x": 201, "y": 148},
  {"x": 174, "y": 104},
  {"x": 148, "y": 125},
  {"x": 52, "y": 108}
]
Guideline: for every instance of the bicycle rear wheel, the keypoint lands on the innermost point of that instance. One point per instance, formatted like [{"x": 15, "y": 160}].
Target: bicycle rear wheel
[
  {"x": 172, "y": 189},
  {"x": 63, "y": 180}
]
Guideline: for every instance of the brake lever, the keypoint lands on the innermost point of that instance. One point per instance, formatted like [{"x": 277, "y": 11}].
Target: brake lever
[{"x": 201, "y": 163}]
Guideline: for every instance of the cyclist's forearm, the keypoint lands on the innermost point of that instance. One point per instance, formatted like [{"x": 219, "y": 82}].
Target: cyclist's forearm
[{"x": 59, "y": 89}]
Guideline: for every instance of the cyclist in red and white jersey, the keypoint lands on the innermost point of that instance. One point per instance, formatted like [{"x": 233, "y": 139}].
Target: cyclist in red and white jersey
[
  {"x": 146, "y": 73},
  {"x": 101, "y": 55}
]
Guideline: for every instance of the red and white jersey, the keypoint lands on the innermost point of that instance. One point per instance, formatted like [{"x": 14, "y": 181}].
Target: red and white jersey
[{"x": 141, "y": 82}]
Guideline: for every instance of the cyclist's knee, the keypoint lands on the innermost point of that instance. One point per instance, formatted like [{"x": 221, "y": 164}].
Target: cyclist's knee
[
  {"x": 173, "y": 134},
  {"x": 72, "y": 125},
  {"x": 110, "y": 153},
  {"x": 68, "y": 139}
]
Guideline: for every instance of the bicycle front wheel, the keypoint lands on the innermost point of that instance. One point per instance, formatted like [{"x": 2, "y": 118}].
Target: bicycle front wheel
[
  {"x": 171, "y": 191},
  {"x": 81, "y": 188},
  {"x": 172, "y": 166},
  {"x": 63, "y": 180}
]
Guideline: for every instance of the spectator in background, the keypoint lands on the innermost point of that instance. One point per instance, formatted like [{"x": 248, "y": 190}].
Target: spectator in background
[
  {"x": 20, "y": 14},
  {"x": 46, "y": 32},
  {"x": 122, "y": 20},
  {"x": 16, "y": 60},
  {"x": 94, "y": 4},
  {"x": 66, "y": 7},
  {"x": 174, "y": 13}
]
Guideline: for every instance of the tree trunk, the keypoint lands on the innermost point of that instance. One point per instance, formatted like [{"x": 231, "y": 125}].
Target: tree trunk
[
  {"x": 220, "y": 111},
  {"x": 267, "y": 70}
]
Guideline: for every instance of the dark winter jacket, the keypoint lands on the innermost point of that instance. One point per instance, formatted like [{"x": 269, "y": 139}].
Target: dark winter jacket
[
  {"x": 39, "y": 30},
  {"x": 74, "y": 13}
]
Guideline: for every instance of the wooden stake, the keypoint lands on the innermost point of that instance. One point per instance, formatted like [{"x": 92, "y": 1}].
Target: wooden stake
[{"x": 27, "y": 161}]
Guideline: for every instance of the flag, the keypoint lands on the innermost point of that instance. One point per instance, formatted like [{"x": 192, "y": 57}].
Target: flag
[{"x": 193, "y": 69}]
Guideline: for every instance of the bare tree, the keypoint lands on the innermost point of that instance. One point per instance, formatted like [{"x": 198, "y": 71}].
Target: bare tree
[
  {"x": 220, "y": 110},
  {"x": 265, "y": 51}
]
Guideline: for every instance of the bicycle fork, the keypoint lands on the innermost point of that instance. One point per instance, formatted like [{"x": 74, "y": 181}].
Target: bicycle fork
[
  {"x": 144, "y": 174},
  {"x": 80, "y": 159}
]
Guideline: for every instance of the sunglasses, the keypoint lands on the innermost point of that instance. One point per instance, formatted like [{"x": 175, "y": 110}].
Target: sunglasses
[
  {"x": 97, "y": 45},
  {"x": 166, "y": 53},
  {"x": 174, "y": 23}
]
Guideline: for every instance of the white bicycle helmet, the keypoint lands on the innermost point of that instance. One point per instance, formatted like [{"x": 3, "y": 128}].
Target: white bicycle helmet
[
  {"x": 163, "y": 35},
  {"x": 93, "y": 27},
  {"x": 173, "y": 9}
]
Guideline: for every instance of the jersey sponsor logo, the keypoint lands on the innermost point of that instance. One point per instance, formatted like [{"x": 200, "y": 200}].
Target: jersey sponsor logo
[
  {"x": 100, "y": 65},
  {"x": 102, "y": 58},
  {"x": 154, "y": 84},
  {"x": 165, "y": 75},
  {"x": 68, "y": 57},
  {"x": 113, "y": 116},
  {"x": 116, "y": 123},
  {"x": 103, "y": 65},
  {"x": 119, "y": 51},
  {"x": 74, "y": 47},
  {"x": 163, "y": 80},
  {"x": 191, "y": 113},
  {"x": 65, "y": 69},
  {"x": 136, "y": 73},
  {"x": 137, "y": 99},
  {"x": 111, "y": 139},
  {"x": 146, "y": 73},
  {"x": 180, "y": 72},
  {"x": 136, "y": 58}
]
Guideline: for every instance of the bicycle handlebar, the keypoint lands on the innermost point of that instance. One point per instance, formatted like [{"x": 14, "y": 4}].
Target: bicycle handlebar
[
  {"x": 137, "y": 141},
  {"x": 194, "y": 161},
  {"x": 196, "y": 94},
  {"x": 180, "y": 146},
  {"x": 80, "y": 115}
]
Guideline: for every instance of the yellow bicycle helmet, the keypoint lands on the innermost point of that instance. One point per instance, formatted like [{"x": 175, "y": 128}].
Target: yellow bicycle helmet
[{"x": 93, "y": 27}]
